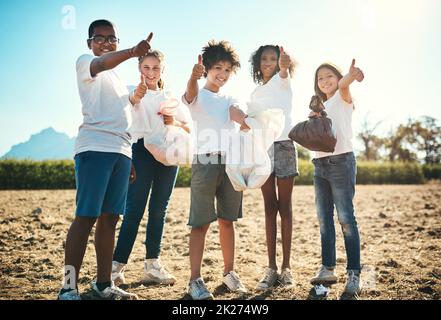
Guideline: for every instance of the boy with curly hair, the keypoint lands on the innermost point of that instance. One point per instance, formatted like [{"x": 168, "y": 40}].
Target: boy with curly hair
[{"x": 214, "y": 115}]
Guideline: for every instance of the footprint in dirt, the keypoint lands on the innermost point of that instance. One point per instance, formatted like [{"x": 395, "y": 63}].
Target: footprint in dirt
[
  {"x": 435, "y": 233},
  {"x": 391, "y": 263},
  {"x": 429, "y": 206},
  {"x": 427, "y": 290}
]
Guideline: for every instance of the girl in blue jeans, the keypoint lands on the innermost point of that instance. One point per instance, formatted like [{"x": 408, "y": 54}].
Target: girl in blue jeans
[
  {"x": 334, "y": 176},
  {"x": 152, "y": 177}
]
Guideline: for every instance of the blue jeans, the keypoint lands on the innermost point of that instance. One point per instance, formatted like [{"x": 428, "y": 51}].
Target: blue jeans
[
  {"x": 160, "y": 179},
  {"x": 334, "y": 182}
]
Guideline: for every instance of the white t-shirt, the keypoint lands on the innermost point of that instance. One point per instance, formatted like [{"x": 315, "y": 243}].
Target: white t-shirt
[
  {"x": 146, "y": 118},
  {"x": 276, "y": 93},
  {"x": 210, "y": 112},
  {"x": 106, "y": 111},
  {"x": 340, "y": 112}
]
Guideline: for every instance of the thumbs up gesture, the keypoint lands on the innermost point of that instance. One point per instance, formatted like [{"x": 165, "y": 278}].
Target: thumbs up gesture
[
  {"x": 198, "y": 69},
  {"x": 139, "y": 92},
  {"x": 141, "y": 48},
  {"x": 284, "y": 60},
  {"x": 355, "y": 72}
]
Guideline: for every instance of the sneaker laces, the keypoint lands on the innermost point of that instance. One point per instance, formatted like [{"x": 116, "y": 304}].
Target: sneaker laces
[
  {"x": 353, "y": 279},
  {"x": 119, "y": 267},
  {"x": 322, "y": 269},
  {"x": 235, "y": 279},
  {"x": 286, "y": 276},
  {"x": 268, "y": 275},
  {"x": 118, "y": 292},
  {"x": 160, "y": 268},
  {"x": 199, "y": 286}
]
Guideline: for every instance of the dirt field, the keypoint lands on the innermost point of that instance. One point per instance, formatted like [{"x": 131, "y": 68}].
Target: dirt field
[{"x": 400, "y": 235}]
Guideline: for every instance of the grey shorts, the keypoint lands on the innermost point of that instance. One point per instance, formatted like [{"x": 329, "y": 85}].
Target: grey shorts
[
  {"x": 210, "y": 182},
  {"x": 283, "y": 155}
]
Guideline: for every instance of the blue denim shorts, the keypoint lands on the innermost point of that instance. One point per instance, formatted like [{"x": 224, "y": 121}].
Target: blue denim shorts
[
  {"x": 283, "y": 155},
  {"x": 102, "y": 180}
]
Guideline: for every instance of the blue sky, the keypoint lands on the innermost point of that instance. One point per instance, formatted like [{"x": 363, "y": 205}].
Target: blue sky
[{"x": 396, "y": 43}]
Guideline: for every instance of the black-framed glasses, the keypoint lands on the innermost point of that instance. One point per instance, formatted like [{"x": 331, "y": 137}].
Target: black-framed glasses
[{"x": 102, "y": 39}]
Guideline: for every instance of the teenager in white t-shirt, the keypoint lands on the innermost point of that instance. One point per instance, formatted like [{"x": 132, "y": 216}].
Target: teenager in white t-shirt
[
  {"x": 272, "y": 68},
  {"x": 102, "y": 159},
  {"x": 154, "y": 179},
  {"x": 335, "y": 174},
  {"x": 213, "y": 115}
]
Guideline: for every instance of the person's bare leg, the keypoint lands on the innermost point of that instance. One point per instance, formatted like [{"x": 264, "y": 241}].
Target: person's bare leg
[
  {"x": 227, "y": 242},
  {"x": 104, "y": 245},
  {"x": 285, "y": 187},
  {"x": 76, "y": 244},
  {"x": 197, "y": 244},
  {"x": 271, "y": 209}
]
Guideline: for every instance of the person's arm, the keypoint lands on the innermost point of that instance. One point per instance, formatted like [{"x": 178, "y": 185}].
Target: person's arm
[
  {"x": 192, "y": 85},
  {"x": 344, "y": 83},
  {"x": 237, "y": 115},
  {"x": 110, "y": 60}
]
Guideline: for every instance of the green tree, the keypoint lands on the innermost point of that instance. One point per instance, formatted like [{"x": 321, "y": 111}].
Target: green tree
[
  {"x": 303, "y": 153},
  {"x": 400, "y": 143},
  {"x": 427, "y": 137},
  {"x": 371, "y": 142}
]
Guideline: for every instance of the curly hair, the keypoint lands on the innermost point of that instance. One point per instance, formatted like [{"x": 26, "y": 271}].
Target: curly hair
[
  {"x": 255, "y": 62},
  {"x": 158, "y": 55},
  {"x": 216, "y": 51}
]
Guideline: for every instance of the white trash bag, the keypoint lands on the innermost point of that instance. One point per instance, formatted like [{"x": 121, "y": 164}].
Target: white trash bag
[
  {"x": 170, "y": 145},
  {"x": 248, "y": 164}
]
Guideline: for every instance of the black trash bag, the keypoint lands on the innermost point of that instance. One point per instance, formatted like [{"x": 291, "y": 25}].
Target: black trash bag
[{"x": 316, "y": 133}]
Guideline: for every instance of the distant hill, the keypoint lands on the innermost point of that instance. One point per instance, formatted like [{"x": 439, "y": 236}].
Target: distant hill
[{"x": 45, "y": 145}]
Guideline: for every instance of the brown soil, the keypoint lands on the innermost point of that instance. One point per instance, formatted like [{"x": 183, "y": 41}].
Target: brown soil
[{"x": 400, "y": 230}]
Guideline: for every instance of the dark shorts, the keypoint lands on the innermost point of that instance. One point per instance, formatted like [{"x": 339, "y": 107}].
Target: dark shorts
[
  {"x": 209, "y": 182},
  {"x": 283, "y": 155},
  {"x": 102, "y": 180}
]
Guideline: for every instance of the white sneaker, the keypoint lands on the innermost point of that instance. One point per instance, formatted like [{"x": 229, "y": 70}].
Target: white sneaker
[
  {"x": 353, "y": 283},
  {"x": 154, "y": 272},
  {"x": 113, "y": 293},
  {"x": 198, "y": 290},
  {"x": 69, "y": 295},
  {"x": 286, "y": 279},
  {"x": 118, "y": 273},
  {"x": 232, "y": 281},
  {"x": 324, "y": 275},
  {"x": 268, "y": 281}
]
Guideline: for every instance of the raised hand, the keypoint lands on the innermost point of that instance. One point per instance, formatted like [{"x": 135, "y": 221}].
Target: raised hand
[
  {"x": 140, "y": 91},
  {"x": 141, "y": 48},
  {"x": 284, "y": 60},
  {"x": 355, "y": 72},
  {"x": 198, "y": 69}
]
